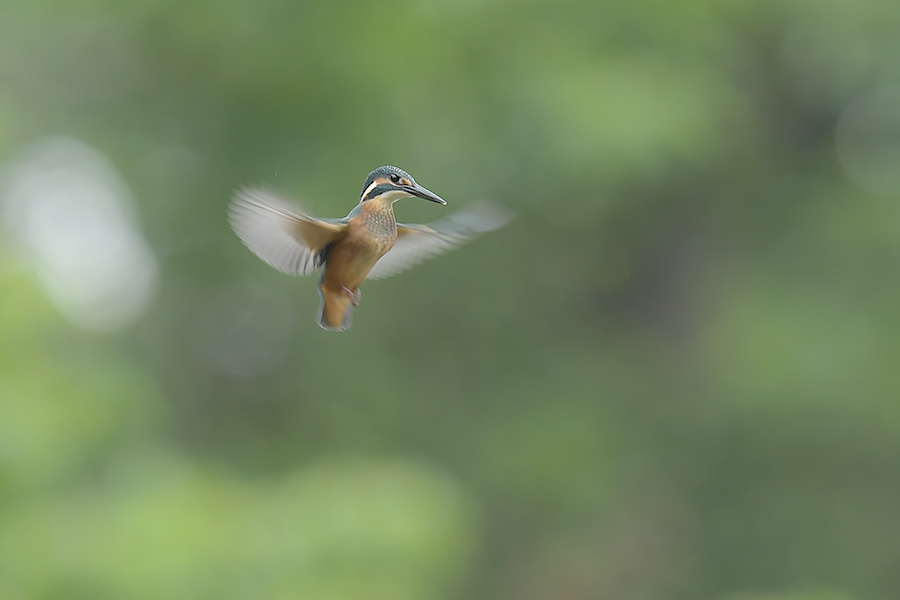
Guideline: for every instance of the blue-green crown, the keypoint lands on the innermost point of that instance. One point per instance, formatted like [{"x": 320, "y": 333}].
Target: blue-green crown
[{"x": 385, "y": 171}]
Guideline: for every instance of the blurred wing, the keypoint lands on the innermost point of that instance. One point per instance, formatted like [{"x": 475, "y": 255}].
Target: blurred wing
[
  {"x": 416, "y": 243},
  {"x": 281, "y": 236}
]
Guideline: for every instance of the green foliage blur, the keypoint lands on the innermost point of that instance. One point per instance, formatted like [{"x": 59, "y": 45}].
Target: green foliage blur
[{"x": 675, "y": 375}]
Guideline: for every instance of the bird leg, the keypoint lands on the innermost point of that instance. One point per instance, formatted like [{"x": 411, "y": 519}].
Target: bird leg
[{"x": 355, "y": 295}]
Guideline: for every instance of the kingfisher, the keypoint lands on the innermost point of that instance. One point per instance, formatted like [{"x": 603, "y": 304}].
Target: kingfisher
[{"x": 366, "y": 244}]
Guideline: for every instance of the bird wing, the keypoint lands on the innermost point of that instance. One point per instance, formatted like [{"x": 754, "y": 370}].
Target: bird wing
[
  {"x": 416, "y": 243},
  {"x": 279, "y": 234}
]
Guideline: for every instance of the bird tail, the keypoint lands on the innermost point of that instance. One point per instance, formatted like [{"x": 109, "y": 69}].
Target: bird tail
[{"x": 335, "y": 311}]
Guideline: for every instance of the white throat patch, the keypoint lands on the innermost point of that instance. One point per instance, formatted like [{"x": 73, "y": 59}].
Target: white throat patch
[{"x": 394, "y": 195}]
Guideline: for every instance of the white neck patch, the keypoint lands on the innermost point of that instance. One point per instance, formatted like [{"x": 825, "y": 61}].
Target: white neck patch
[{"x": 368, "y": 189}]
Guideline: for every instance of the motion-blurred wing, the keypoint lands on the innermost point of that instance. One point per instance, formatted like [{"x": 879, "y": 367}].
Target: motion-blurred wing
[
  {"x": 416, "y": 243},
  {"x": 281, "y": 236}
]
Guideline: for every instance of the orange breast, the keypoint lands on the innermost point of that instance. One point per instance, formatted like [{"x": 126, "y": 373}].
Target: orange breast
[{"x": 354, "y": 256}]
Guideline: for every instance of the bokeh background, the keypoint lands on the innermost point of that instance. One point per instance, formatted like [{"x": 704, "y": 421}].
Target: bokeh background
[{"x": 675, "y": 375}]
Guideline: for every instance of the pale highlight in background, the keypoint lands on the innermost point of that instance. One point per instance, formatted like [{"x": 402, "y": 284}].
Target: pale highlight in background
[
  {"x": 74, "y": 217},
  {"x": 868, "y": 140}
]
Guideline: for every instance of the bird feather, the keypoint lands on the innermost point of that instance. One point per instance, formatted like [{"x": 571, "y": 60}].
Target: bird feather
[
  {"x": 280, "y": 234},
  {"x": 416, "y": 243}
]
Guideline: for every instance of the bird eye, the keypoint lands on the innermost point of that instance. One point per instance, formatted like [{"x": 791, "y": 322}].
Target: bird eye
[{"x": 395, "y": 178}]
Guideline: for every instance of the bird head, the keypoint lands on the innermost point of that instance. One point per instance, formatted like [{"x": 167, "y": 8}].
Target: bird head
[{"x": 391, "y": 184}]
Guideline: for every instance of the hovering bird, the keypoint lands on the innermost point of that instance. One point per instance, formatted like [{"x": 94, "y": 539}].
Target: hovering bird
[{"x": 366, "y": 244}]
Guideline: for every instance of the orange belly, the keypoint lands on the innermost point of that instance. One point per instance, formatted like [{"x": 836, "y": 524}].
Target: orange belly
[{"x": 350, "y": 262}]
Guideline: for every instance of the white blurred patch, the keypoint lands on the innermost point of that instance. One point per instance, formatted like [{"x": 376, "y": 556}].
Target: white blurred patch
[
  {"x": 246, "y": 330},
  {"x": 868, "y": 140},
  {"x": 74, "y": 217}
]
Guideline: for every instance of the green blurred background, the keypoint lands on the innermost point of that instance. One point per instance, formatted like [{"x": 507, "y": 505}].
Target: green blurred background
[{"x": 675, "y": 375}]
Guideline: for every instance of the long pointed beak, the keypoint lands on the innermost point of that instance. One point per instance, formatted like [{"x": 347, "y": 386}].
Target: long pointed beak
[{"x": 422, "y": 192}]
